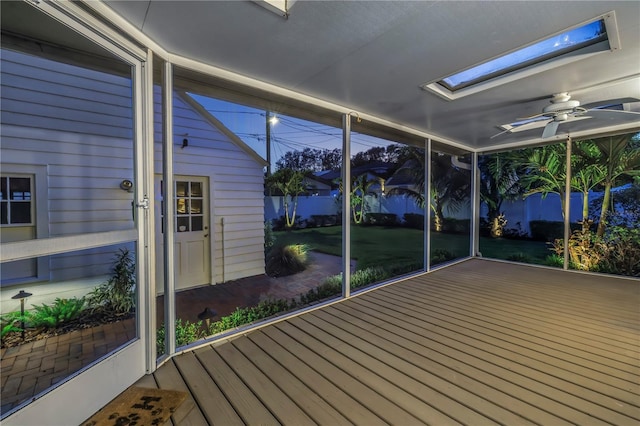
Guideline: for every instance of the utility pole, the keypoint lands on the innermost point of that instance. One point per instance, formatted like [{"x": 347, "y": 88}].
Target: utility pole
[{"x": 268, "y": 131}]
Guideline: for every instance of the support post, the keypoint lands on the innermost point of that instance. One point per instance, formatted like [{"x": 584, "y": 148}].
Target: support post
[
  {"x": 427, "y": 206},
  {"x": 567, "y": 206},
  {"x": 346, "y": 205},
  {"x": 168, "y": 211},
  {"x": 475, "y": 206}
]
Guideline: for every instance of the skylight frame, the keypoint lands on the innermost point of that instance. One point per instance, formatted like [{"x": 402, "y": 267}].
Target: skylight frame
[{"x": 610, "y": 42}]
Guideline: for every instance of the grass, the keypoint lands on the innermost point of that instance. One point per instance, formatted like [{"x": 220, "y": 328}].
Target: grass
[{"x": 376, "y": 245}]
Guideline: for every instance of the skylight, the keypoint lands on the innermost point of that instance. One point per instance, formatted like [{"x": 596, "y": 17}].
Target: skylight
[
  {"x": 591, "y": 38},
  {"x": 569, "y": 41}
]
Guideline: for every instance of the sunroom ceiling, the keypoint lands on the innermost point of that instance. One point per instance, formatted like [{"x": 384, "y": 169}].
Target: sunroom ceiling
[{"x": 372, "y": 57}]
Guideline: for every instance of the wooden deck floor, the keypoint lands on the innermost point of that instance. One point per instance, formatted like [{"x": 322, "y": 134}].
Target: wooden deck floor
[{"x": 477, "y": 343}]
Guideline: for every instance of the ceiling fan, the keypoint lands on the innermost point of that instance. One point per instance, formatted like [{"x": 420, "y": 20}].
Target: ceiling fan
[{"x": 562, "y": 110}]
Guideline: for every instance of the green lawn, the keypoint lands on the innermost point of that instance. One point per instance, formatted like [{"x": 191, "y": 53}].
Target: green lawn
[{"x": 374, "y": 245}]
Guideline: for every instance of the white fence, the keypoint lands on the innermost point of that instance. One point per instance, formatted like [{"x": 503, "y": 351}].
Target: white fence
[{"x": 518, "y": 213}]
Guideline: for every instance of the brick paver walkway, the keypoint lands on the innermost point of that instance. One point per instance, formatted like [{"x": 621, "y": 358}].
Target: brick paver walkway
[{"x": 29, "y": 369}]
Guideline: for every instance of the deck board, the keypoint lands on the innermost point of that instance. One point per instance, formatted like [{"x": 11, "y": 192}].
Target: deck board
[{"x": 479, "y": 342}]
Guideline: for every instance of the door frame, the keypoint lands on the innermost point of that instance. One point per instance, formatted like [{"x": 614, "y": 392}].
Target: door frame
[{"x": 121, "y": 368}]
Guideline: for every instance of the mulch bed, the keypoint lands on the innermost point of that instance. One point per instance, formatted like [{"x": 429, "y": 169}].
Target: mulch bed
[{"x": 84, "y": 321}]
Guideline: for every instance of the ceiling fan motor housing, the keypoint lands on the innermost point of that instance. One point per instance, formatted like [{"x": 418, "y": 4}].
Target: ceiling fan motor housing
[{"x": 561, "y": 105}]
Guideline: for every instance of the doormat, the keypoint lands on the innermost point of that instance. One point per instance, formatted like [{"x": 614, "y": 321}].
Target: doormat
[{"x": 138, "y": 407}]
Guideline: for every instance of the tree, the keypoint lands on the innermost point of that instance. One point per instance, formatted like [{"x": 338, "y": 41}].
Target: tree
[
  {"x": 620, "y": 157},
  {"x": 311, "y": 159},
  {"x": 290, "y": 184},
  {"x": 450, "y": 185},
  {"x": 593, "y": 163},
  {"x": 360, "y": 187},
  {"x": 499, "y": 182}
]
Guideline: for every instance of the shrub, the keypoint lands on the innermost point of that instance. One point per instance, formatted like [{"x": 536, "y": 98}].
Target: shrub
[
  {"x": 243, "y": 316},
  {"x": 548, "y": 230},
  {"x": 519, "y": 257},
  {"x": 117, "y": 295},
  {"x": 287, "y": 260},
  {"x": 322, "y": 220},
  {"x": 554, "y": 260},
  {"x": 441, "y": 255},
  {"x": 186, "y": 333},
  {"x": 52, "y": 316},
  {"x": 623, "y": 251},
  {"x": 381, "y": 219},
  {"x": 269, "y": 238},
  {"x": 413, "y": 220}
]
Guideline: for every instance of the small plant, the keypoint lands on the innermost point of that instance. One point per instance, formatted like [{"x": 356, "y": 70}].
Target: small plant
[
  {"x": 52, "y": 316},
  {"x": 287, "y": 260},
  {"x": 117, "y": 295},
  {"x": 554, "y": 260},
  {"x": 9, "y": 323}
]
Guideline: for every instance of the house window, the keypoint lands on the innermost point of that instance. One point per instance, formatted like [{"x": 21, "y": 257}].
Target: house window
[{"x": 16, "y": 207}]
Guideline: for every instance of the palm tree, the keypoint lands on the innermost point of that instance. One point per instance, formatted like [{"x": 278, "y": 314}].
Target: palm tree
[
  {"x": 290, "y": 183},
  {"x": 360, "y": 186},
  {"x": 450, "y": 185},
  {"x": 499, "y": 182},
  {"x": 620, "y": 157}
]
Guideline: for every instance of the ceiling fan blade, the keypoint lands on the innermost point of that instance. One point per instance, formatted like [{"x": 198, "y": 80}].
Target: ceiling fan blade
[
  {"x": 531, "y": 116},
  {"x": 550, "y": 129},
  {"x": 612, "y": 114}
]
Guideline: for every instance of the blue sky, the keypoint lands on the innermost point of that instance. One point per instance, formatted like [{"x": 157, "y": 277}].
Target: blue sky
[{"x": 288, "y": 134}]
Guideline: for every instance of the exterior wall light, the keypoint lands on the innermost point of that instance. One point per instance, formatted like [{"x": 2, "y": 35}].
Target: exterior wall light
[{"x": 126, "y": 185}]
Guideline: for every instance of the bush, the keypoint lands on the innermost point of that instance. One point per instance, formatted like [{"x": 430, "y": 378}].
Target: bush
[
  {"x": 519, "y": 257},
  {"x": 381, "y": 219},
  {"x": 117, "y": 295},
  {"x": 413, "y": 220},
  {"x": 554, "y": 260},
  {"x": 243, "y": 316},
  {"x": 457, "y": 226},
  {"x": 287, "y": 260},
  {"x": 548, "y": 230},
  {"x": 269, "y": 238},
  {"x": 52, "y": 316},
  {"x": 623, "y": 251},
  {"x": 317, "y": 220},
  {"x": 441, "y": 255}
]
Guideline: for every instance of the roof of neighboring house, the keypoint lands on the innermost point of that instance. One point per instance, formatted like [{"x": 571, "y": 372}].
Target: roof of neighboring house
[{"x": 224, "y": 129}]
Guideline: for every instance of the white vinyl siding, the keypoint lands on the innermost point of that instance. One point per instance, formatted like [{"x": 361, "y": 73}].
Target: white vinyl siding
[
  {"x": 237, "y": 189},
  {"x": 77, "y": 123}
]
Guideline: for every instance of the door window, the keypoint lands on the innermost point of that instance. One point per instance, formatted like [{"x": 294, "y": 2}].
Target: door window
[{"x": 189, "y": 201}]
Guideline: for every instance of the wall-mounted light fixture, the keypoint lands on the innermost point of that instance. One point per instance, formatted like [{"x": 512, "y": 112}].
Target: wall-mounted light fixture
[
  {"x": 126, "y": 185},
  {"x": 185, "y": 143}
]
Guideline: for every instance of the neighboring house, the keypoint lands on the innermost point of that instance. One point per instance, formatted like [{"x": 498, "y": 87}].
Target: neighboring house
[{"x": 66, "y": 150}]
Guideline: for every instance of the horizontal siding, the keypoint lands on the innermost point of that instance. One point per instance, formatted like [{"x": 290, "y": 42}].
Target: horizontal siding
[{"x": 78, "y": 122}]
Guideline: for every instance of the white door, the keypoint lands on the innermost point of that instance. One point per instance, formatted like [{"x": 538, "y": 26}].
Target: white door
[{"x": 192, "y": 248}]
